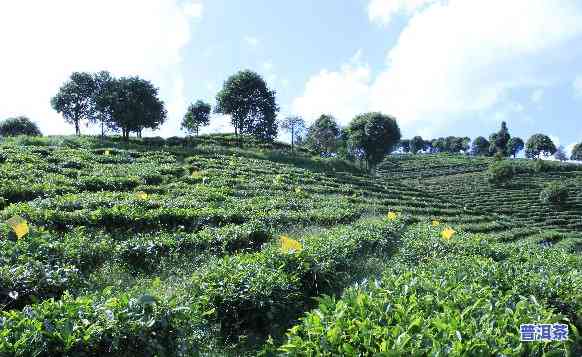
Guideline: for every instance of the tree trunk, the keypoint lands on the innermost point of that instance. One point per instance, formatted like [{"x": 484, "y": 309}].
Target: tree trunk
[
  {"x": 77, "y": 129},
  {"x": 102, "y": 130},
  {"x": 292, "y": 137}
]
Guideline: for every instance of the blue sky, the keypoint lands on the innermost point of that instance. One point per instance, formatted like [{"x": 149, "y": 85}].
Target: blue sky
[{"x": 441, "y": 67}]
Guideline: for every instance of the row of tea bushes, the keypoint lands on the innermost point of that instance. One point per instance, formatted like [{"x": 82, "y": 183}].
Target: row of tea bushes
[{"x": 464, "y": 295}]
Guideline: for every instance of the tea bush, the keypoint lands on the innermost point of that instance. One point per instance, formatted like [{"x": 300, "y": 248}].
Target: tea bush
[{"x": 554, "y": 194}]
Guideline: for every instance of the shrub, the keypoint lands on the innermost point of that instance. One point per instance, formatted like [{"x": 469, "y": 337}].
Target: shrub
[
  {"x": 19, "y": 126},
  {"x": 554, "y": 193},
  {"x": 154, "y": 141},
  {"x": 500, "y": 173},
  {"x": 120, "y": 326}
]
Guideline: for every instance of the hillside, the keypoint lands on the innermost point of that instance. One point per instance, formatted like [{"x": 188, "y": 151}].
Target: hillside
[{"x": 167, "y": 247}]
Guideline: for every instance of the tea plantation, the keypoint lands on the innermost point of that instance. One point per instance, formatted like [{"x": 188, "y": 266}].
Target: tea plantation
[{"x": 173, "y": 247}]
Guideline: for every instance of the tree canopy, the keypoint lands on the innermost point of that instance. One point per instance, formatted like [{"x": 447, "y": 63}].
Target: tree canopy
[
  {"x": 539, "y": 144},
  {"x": 19, "y": 126},
  {"x": 375, "y": 134},
  {"x": 250, "y": 104},
  {"x": 322, "y": 135},
  {"x": 480, "y": 146},
  {"x": 74, "y": 99},
  {"x": 197, "y": 115},
  {"x": 417, "y": 144},
  {"x": 499, "y": 140},
  {"x": 577, "y": 152},
  {"x": 294, "y": 125},
  {"x": 133, "y": 104},
  {"x": 515, "y": 145}
]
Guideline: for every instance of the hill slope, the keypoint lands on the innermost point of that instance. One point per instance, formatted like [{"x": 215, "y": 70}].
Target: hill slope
[{"x": 169, "y": 249}]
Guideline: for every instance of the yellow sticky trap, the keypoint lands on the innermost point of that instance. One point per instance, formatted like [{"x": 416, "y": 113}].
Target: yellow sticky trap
[
  {"x": 392, "y": 215},
  {"x": 141, "y": 195},
  {"x": 18, "y": 225},
  {"x": 435, "y": 223},
  {"x": 448, "y": 233},
  {"x": 289, "y": 245},
  {"x": 106, "y": 153},
  {"x": 298, "y": 190}
]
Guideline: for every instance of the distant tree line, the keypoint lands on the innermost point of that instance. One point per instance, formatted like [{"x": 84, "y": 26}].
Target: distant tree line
[{"x": 131, "y": 104}]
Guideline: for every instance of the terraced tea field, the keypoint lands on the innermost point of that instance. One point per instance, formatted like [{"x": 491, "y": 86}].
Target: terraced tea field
[
  {"x": 518, "y": 204},
  {"x": 170, "y": 247}
]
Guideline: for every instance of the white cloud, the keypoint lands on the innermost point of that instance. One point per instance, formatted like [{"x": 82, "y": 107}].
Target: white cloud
[
  {"x": 555, "y": 139},
  {"x": 194, "y": 8},
  {"x": 130, "y": 37},
  {"x": 251, "y": 41},
  {"x": 577, "y": 86},
  {"x": 537, "y": 96},
  {"x": 436, "y": 71},
  {"x": 383, "y": 10},
  {"x": 343, "y": 94},
  {"x": 218, "y": 124},
  {"x": 456, "y": 60}
]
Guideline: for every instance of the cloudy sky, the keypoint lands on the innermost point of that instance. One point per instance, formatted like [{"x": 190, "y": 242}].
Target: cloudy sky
[{"x": 441, "y": 67}]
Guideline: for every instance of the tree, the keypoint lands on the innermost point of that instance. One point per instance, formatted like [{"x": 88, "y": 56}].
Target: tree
[
  {"x": 453, "y": 144},
  {"x": 98, "y": 114},
  {"x": 428, "y": 145},
  {"x": 515, "y": 145},
  {"x": 577, "y": 152},
  {"x": 439, "y": 145},
  {"x": 197, "y": 115},
  {"x": 500, "y": 139},
  {"x": 539, "y": 144},
  {"x": 322, "y": 135},
  {"x": 560, "y": 154},
  {"x": 251, "y": 105},
  {"x": 295, "y": 125},
  {"x": 480, "y": 146},
  {"x": 74, "y": 99},
  {"x": 19, "y": 126},
  {"x": 405, "y": 145},
  {"x": 416, "y": 144},
  {"x": 500, "y": 173},
  {"x": 133, "y": 105},
  {"x": 375, "y": 134}
]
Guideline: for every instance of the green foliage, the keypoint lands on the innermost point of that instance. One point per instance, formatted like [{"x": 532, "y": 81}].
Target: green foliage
[
  {"x": 374, "y": 135},
  {"x": 294, "y": 125},
  {"x": 118, "y": 326},
  {"x": 451, "y": 144},
  {"x": 132, "y": 104},
  {"x": 19, "y": 126},
  {"x": 554, "y": 194},
  {"x": 197, "y": 115},
  {"x": 417, "y": 144},
  {"x": 322, "y": 135},
  {"x": 175, "y": 250},
  {"x": 577, "y": 152},
  {"x": 480, "y": 146},
  {"x": 251, "y": 105},
  {"x": 501, "y": 173},
  {"x": 539, "y": 144},
  {"x": 74, "y": 99},
  {"x": 515, "y": 145},
  {"x": 446, "y": 302},
  {"x": 499, "y": 141}
]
